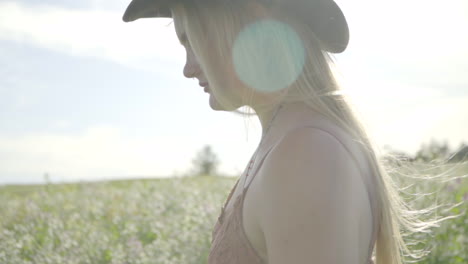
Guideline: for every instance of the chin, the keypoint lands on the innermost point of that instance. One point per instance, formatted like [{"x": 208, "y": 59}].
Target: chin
[{"x": 216, "y": 105}]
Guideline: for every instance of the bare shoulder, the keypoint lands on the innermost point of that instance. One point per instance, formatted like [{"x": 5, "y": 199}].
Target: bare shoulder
[
  {"x": 313, "y": 201},
  {"x": 305, "y": 152}
]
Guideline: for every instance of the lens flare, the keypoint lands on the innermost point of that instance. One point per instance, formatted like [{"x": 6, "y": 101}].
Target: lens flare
[{"x": 268, "y": 55}]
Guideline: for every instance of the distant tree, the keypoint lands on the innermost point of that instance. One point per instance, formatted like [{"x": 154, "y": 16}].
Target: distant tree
[
  {"x": 47, "y": 178},
  {"x": 205, "y": 162},
  {"x": 433, "y": 151}
]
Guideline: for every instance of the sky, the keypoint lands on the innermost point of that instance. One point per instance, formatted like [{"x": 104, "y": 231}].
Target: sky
[{"x": 86, "y": 96}]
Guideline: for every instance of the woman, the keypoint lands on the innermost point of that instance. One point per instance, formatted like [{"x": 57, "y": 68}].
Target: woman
[{"x": 317, "y": 193}]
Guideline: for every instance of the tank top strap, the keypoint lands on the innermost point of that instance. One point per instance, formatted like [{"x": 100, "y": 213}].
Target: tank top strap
[{"x": 253, "y": 173}]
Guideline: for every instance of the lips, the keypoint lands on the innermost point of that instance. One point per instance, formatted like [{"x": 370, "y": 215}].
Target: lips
[{"x": 203, "y": 84}]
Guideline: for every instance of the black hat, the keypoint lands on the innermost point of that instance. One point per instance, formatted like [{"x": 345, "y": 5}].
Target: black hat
[{"x": 323, "y": 16}]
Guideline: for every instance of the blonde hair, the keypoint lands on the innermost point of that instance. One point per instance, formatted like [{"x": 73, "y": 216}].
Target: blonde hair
[{"x": 212, "y": 30}]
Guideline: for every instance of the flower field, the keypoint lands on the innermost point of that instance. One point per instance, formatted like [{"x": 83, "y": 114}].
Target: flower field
[{"x": 170, "y": 221}]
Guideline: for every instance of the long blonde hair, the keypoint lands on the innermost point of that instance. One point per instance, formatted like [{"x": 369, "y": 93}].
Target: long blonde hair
[{"x": 212, "y": 30}]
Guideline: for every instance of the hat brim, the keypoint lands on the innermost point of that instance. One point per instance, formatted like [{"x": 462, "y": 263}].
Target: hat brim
[
  {"x": 147, "y": 9},
  {"x": 324, "y": 17}
]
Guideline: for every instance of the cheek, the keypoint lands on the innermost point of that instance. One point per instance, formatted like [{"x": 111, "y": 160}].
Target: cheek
[
  {"x": 220, "y": 72},
  {"x": 223, "y": 67}
]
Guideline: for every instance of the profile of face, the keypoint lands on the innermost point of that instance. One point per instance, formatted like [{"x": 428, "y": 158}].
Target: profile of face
[
  {"x": 265, "y": 58},
  {"x": 229, "y": 86}
]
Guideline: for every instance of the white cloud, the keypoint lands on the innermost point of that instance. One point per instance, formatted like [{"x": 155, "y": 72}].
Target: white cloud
[
  {"x": 106, "y": 151},
  {"x": 149, "y": 44},
  {"x": 419, "y": 42},
  {"x": 419, "y": 29},
  {"x": 101, "y": 151},
  {"x": 404, "y": 116}
]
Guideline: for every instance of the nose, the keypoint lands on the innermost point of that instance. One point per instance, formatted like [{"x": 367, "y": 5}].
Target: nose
[{"x": 191, "y": 68}]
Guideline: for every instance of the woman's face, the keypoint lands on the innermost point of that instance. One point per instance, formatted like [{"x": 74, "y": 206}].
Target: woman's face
[{"x": 192, "y": 69}]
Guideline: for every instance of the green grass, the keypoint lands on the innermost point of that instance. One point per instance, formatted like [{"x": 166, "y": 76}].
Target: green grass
[{"x": 162, "y": 220}]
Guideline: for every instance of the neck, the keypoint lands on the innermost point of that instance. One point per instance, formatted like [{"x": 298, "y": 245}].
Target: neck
[
  {"x": 289, "y": 116},
  {"x": 266, "y": 119}
]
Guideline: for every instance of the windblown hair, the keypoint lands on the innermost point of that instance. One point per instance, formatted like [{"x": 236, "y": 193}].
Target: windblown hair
[{"x": 212, "y": 30}]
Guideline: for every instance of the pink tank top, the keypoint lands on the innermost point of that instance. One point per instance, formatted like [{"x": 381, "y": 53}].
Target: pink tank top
[{"x": 229, "y": 243}]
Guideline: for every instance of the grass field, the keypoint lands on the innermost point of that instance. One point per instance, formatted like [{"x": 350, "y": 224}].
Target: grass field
[{"x": 170, "y": 220}]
